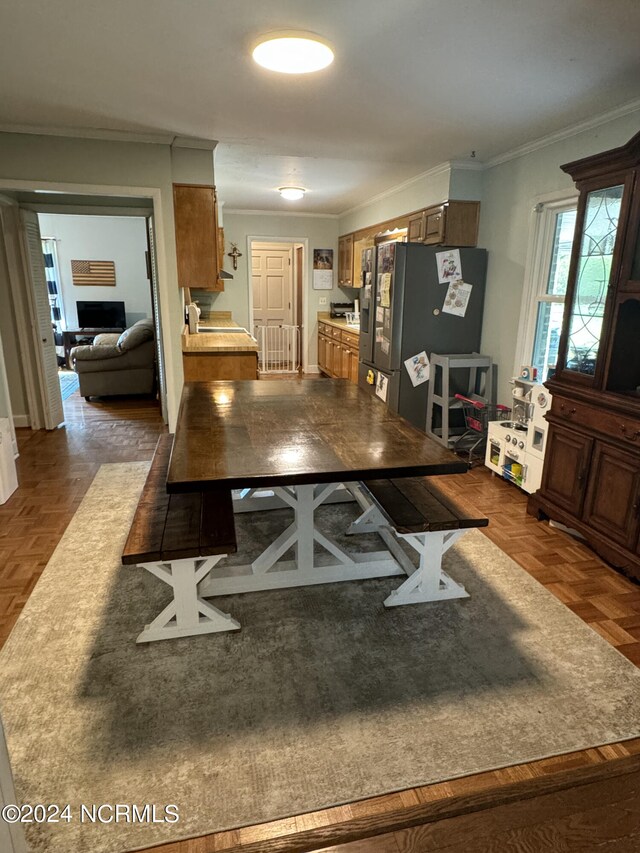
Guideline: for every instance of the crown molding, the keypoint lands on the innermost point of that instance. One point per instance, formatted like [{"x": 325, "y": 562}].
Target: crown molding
[
  {"x": 228, "y": 211},
  {"x": 111, "y": 135},
  {"x": 430, "y": 173},
  {"x": 565, "y": 133},
  {"x": 468, "y": 165}
]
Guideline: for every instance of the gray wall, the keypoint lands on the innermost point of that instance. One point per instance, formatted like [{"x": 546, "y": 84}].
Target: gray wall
[{"x": 510, "y": 192}]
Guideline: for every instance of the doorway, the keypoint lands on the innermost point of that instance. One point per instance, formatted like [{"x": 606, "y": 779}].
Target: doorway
[
  {"x": 99, "y": 285},
  {"x": 277, "y": 270},
  {"x": 46, "y": 286}
]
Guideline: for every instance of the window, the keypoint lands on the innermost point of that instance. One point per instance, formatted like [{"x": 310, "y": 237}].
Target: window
[{"x": 548, "y": 271}]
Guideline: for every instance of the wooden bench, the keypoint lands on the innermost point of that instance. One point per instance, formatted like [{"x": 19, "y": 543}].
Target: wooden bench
[
  {"x": 417, "y": 511},
  {"x": 179, "y": 539}
]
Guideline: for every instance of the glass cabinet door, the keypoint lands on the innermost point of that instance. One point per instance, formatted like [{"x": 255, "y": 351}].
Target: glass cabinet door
[{"x": 598, "y": 238}]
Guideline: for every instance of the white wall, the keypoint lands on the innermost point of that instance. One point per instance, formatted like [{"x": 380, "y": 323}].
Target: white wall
[
  {"x": 511, "y": 190},
  {"x": 322, "y": 233},
  {"x": 122, "y": 239}
]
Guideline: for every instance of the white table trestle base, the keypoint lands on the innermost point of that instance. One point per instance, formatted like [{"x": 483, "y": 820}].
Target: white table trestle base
[
  {"x": 308, "y": 568},
  {"x": 187, "y": 613},
  {"x": 193, "y": 580},
  {"x": 427, "y": 581}
]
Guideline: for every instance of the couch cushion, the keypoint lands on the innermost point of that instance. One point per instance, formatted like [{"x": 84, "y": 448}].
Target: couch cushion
[{"x": 135, "y": 335}]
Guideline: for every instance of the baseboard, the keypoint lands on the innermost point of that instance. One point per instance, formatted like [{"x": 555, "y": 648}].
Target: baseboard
[
  {"x": 21, "y": 421},
  {"x": 312, "y": 368}
]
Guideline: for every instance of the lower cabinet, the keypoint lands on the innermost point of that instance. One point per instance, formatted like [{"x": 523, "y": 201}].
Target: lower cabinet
[
  {"x": 613, "y": 497},
  {"x": 591, "y": 482},
  {"x": 565, "y": 471},
  {"x": 337, "y": 352}
]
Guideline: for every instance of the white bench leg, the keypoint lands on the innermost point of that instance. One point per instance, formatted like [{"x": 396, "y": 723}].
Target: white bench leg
[
  {"x": 428, "y": 582},
  {"x": 187, "y": 614}
]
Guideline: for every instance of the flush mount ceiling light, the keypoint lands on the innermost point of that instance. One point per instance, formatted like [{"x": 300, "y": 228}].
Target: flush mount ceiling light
[
  {"x": 292, "y": 53},
  {"x": 292, "y": 193}
]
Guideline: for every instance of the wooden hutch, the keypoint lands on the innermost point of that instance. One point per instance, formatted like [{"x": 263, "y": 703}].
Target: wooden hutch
[{"x": 591, "y": 479}]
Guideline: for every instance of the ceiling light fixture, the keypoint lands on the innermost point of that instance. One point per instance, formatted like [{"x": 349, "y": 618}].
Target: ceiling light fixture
[
  {"x": 292, "y": 193},
  {"x": 292, "y": 53}
]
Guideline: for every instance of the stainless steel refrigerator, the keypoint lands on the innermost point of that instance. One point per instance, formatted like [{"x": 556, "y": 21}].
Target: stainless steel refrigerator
[{"x": 405, "y": 310}]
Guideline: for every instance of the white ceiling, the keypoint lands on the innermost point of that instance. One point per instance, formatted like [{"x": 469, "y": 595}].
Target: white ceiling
[{"x": 415, "y": 82}]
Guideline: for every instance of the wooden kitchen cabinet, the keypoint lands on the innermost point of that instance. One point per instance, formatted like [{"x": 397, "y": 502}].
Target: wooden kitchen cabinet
[
  {"x": 454, "y": 223},
  {"x": 415, "y": 228},
  {"x": 196, "y": 224},
  {"x": 338, "y": 352},
  {"x": 345, "y": 260}
]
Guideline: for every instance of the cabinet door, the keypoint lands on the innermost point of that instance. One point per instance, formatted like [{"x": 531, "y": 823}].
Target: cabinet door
[
  {"x": 331, "y": 347},
  {"x": 434, "y": 225},
  {"x": 353, "y": 365},
  {"x": 344, "y": 362},
  {"x": 345, "y": 259},
  {"x": 415, "y": 228},
  {"x": 612, "y": 500},
  {"x": 322, "y": 352},
  {"x": 565, "y": 469},
  {"x": 196, "y": 236}
]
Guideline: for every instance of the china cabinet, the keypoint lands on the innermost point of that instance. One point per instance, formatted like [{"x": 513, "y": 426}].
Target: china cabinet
[{"x": 591, "y": 478}]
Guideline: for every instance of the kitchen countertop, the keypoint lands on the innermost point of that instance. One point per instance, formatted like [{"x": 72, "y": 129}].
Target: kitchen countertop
[
  {"x": 205, "y": 342},
  {"x": 338, "y": 322}
]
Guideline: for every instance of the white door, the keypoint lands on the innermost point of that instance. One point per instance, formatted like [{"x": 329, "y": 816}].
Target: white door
[
  {"x": 273, "y": 300},
  {"x": 41, "y": 325}
]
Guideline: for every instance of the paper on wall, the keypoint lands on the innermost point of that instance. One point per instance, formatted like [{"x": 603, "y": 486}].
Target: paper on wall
[
  {"x": 385, "y": 289},
  {"x": 384, "y": 346},
  {"x": 382, "y": 387},
  {"x": 418, "y": 368},
  {"x": 457, "y": 298},
  {"x": 449, "y": 266}
]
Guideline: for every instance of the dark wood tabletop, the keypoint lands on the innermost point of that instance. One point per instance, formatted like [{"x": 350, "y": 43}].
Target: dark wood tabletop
[{"x": 275, "y": 432}]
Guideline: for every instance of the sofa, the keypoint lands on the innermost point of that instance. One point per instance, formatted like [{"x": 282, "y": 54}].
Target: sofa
[{"x": 114, "y": 365}]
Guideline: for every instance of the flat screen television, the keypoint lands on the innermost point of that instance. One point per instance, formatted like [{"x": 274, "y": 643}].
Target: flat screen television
[{"x": 101, "y": 315}]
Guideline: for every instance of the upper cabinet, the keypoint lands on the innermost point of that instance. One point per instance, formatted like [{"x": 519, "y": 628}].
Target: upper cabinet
[
  {"x": 454, "y": 223},
  {"x": 345, "y": 260},
  {"x": 197, "y": 246},
  {"x": 599, "y": 347}
]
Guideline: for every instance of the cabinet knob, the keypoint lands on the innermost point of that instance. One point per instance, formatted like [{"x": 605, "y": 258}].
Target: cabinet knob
[{"x": 623, "y": 427}]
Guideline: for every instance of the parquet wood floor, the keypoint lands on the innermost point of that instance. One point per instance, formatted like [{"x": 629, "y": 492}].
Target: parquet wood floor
[{"x": 56, "y": 469}]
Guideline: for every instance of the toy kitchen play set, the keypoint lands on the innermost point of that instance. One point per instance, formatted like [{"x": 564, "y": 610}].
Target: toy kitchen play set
[{"x": 515, "y": 448}]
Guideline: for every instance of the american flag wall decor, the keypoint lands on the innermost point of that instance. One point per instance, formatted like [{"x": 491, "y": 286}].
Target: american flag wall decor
[{"x": 85, "y": 273}]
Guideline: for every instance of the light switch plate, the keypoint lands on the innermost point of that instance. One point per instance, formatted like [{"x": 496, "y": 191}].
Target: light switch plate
[{"x": 322, "y": 300}]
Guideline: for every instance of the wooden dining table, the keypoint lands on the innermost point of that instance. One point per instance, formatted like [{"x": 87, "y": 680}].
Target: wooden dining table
[{"x": 296, "y": 444}]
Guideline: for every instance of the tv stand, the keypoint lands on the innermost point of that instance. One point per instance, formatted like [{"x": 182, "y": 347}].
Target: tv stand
[{"x": 70, "y": 336}]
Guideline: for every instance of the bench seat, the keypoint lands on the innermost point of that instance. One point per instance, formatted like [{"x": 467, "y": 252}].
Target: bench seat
[
  {"x": 179, "y": 538},
  {"x": 419, "y": 513}
]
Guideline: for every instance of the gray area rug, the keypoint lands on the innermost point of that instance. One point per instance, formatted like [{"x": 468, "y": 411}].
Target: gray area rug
[{"x": 323, "y": 697}]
